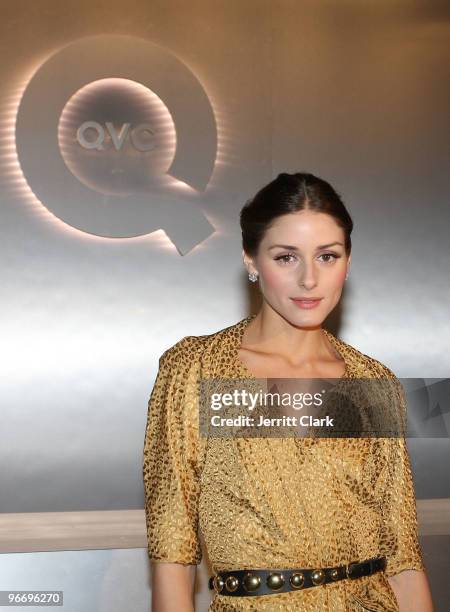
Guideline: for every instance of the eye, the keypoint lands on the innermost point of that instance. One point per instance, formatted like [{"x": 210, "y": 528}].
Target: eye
[
  {"x": 333, "y": 255},
  {"x": 284, "y": 258}
]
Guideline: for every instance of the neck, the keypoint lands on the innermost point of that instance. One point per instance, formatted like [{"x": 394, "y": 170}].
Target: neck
[{"x": 270, "y": 333}]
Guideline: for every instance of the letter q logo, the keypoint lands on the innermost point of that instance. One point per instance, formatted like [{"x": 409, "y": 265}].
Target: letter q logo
[{"x": 116, "y": 137}]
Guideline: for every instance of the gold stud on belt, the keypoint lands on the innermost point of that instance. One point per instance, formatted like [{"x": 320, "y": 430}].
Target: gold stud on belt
[
  {"x": 218, "y": 583},
  {"x": 297, "y": 580},
  {"x": 348, "y": 569},
  {"x": 275, "y": 580},
  {"x": 251, "y": 582},
  {"x": 231, "y": 583},
  {"x": 334, "y": 574},
  {"x": 317, "y": 576}
]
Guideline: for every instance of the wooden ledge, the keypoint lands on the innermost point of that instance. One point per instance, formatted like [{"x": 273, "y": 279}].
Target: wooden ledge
[{"x": 94, "y": 530}]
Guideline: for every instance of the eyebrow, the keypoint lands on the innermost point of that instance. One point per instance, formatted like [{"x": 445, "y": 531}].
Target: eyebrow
[{"x": 294, "y": 248}]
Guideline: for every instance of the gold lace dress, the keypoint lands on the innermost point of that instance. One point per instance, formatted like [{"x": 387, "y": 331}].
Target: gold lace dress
[{"x": 274, "y": 502}]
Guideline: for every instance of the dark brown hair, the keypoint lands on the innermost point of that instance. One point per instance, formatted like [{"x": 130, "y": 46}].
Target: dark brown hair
[{"x": 289, "y": 193}]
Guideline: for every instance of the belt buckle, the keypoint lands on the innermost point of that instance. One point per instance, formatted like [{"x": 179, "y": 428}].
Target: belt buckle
[{"x": 348, "y": 569}]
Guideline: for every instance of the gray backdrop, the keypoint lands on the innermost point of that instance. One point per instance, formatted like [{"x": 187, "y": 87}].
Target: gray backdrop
[{"x": 354, "y": 92}]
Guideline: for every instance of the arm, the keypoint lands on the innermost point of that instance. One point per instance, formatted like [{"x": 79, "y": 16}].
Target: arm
[
  {"x": 405, "y": 568},
  {"x": 166, "y": 597},
  {"x": 172, "y": 482},
  {"x": 412, "y": 591}
]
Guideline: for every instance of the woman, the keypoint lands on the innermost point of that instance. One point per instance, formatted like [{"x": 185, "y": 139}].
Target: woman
[{"x": 329, "y": 524}]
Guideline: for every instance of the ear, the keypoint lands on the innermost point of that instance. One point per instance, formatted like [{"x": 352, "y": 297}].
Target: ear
[{"x": 248, "y": 262}]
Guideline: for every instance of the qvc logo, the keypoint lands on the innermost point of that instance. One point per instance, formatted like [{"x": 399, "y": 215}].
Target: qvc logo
[
  {"x": 109, "y": 173},
  {"x": 92, "y": 135}
]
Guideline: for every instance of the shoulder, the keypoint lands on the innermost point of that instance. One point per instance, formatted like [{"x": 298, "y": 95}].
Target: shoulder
[
  {"x": 363, "y": 365},
  {"x": 191, "y": 349},
  {"x": 184, "y": 351}
]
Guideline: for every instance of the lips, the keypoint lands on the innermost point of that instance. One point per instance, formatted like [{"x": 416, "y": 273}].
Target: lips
[{"x": 306, "y": 303}]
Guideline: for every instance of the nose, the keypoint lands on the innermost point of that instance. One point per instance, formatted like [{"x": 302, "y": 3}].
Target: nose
[{"x": 308, "y": 276}]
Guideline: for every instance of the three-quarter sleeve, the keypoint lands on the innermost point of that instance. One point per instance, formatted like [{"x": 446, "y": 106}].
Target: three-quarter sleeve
[
  {"x": 400, "y": 542},
  {"x": 170, "y": 460}
]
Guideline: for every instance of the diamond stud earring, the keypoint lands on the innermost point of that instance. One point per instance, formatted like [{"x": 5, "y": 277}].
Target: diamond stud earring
[{"x": 253, "y": 276}]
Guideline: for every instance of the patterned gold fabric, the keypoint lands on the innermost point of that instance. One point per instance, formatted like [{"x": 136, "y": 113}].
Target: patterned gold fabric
[{"x": 278, "y": 502}]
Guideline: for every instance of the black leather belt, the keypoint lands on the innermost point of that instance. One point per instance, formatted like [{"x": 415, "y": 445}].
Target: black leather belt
[{"x": 270, "y": 581}]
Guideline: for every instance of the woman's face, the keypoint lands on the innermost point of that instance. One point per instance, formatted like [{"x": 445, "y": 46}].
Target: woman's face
[{"x": 302, "y": 255}]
